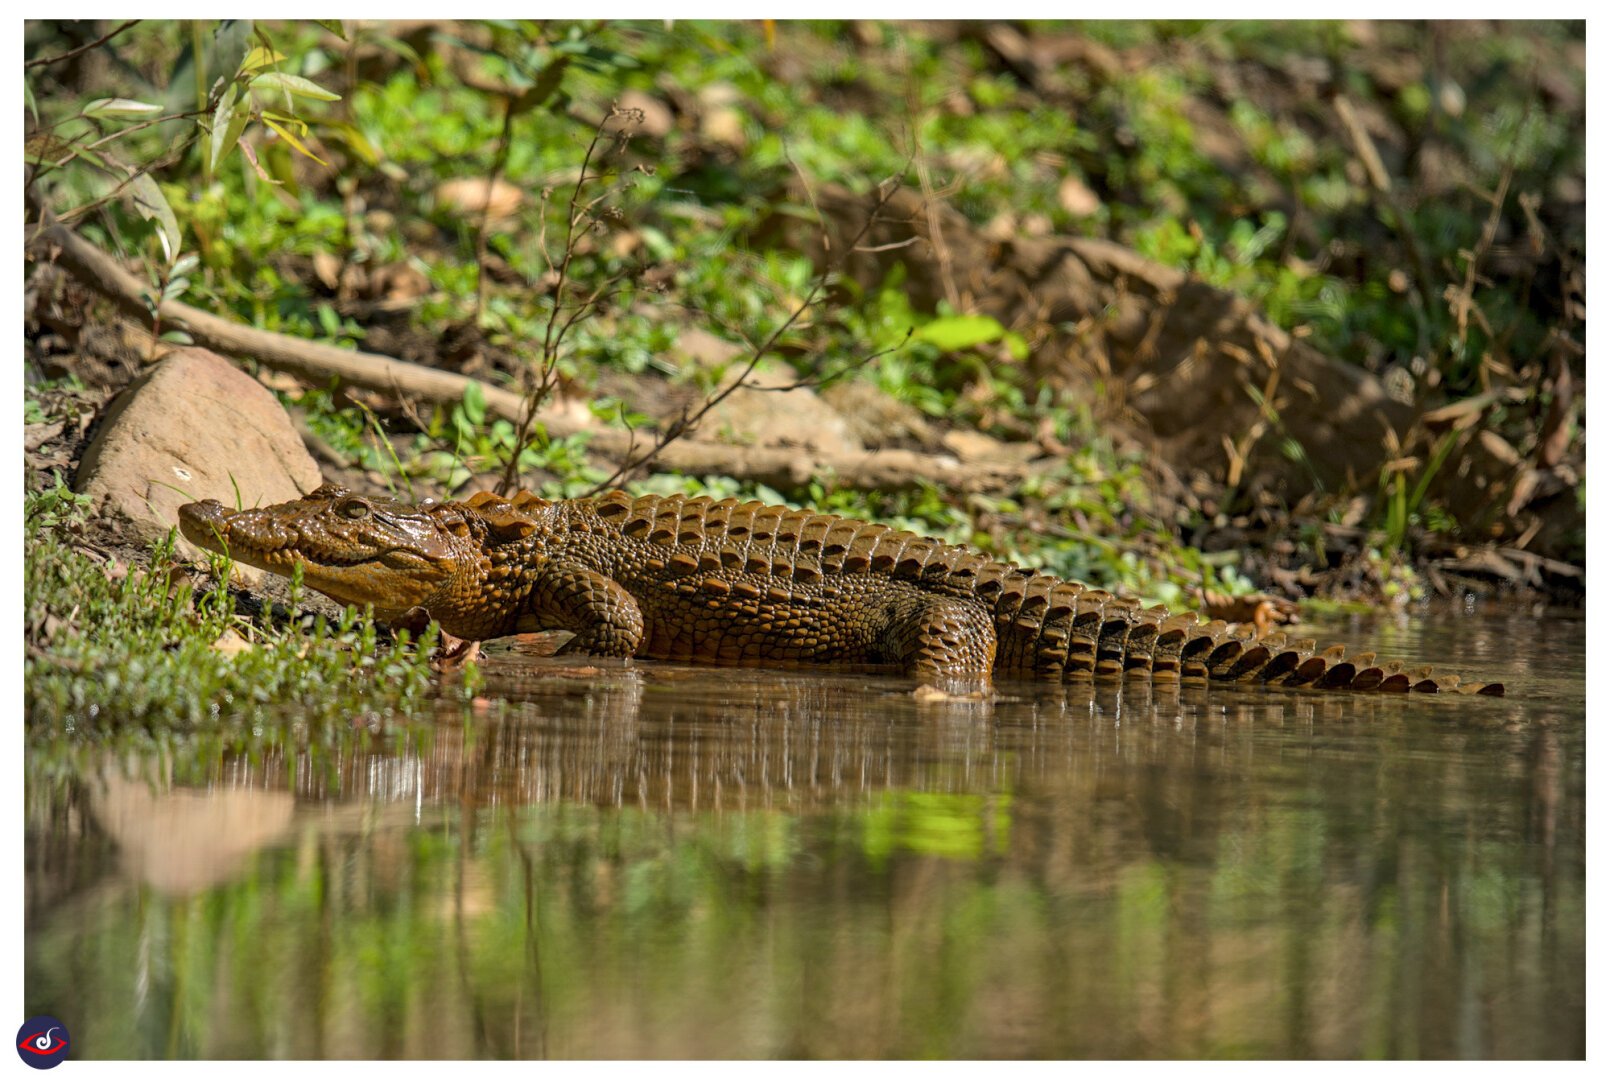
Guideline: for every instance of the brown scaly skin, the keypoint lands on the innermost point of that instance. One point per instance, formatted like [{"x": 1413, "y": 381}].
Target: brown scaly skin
[{"x": 694, "y": 579}]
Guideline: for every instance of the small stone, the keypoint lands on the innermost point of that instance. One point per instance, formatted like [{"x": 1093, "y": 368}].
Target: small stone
[{"x": 1076, "y": 198}]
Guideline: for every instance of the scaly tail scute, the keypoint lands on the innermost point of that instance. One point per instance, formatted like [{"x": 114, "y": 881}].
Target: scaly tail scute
[{"x": 1063, "y": 630}]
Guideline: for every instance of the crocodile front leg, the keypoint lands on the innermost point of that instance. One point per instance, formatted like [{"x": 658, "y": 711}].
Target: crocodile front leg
[{"x": 604, "y": 617}]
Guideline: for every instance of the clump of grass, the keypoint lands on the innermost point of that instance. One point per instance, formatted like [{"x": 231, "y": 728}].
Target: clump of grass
[{"x": 141, "y": 647}]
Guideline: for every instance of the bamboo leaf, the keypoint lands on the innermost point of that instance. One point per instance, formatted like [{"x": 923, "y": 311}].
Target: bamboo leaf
[
  {"x": 295, "y": 142},
  {"x": 228, "y": 121},
  {"x": 153, "y": 206},
  {"x": 296, "y": 125},
  {"x": 294, "y": 84},
  {"x": 259, "y": 57},
  {"x": 355, "y": 139},
  {"x": 120, "y": 107}
]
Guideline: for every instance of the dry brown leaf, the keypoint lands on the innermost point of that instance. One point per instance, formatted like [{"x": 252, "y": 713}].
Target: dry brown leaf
[
  {"x": 470, "y": 196},
  {"x": 230, "y": 644}
]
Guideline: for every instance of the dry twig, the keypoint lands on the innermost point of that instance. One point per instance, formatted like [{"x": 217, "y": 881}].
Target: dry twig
[{"x": 685, "y": 423}]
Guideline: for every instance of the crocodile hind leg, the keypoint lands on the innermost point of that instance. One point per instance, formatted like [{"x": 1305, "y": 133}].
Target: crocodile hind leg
[
  {"x": 939, "y": 639},
  {"x": 604, "y": 617}
]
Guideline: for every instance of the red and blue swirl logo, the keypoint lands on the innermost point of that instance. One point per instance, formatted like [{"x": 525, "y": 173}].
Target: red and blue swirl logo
[{"x": 42, "y": 1042}]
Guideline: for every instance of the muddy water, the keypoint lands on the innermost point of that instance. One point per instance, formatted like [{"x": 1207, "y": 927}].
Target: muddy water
[{"x": 671, "y": 862}]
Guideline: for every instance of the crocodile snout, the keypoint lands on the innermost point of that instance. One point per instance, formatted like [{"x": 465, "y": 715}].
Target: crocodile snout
[{"x": 205, "y": 524}]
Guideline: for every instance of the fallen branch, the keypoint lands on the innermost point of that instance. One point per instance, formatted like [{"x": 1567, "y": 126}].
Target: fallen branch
[
  {"x": 786, "y": 468},
  {"x": 313, "y": 361},
  {"x": 790, "y": 469}
]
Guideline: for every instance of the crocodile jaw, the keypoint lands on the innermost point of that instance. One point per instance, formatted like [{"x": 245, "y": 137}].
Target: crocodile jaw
[{"x": 395, "y": 579}]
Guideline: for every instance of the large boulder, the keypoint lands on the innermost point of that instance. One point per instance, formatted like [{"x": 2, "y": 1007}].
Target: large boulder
[{"x": 193, "y": 427}]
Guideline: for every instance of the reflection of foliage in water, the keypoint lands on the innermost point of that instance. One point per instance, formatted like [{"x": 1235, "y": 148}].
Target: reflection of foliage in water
[{"x": 1203, "y": 877}]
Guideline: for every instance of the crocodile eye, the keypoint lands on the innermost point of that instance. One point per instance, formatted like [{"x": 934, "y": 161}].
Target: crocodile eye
[{"x": 356, "y": 509}]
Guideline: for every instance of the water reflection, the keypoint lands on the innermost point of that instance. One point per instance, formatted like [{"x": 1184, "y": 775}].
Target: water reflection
[{"x": 662, "y": 862}]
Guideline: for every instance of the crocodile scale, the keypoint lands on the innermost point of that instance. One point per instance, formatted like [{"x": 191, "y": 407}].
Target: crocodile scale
[{"x": 743, "y": 583}]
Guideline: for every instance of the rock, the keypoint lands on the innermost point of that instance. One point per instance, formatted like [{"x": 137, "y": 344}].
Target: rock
[
  {"x": 193, "y": 427},
  {"x": 723, "y": 126},
  {"x": 1076, "y": 198},
  {"x": 796, "y": 417},
  {"x": 702, "y": 348},
  {"x": 720, "y": 120},
  {"x": 876, "y": 418},
  {"x": 470, "y": 196}
]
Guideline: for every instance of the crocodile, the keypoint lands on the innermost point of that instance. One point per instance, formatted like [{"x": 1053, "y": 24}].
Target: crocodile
[{"x": 681, "y": 578}]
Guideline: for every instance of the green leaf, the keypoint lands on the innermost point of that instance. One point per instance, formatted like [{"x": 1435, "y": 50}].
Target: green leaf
[
  {"x": 474, "y": 404},
  {"x": 334, "y": 26},
  {"x": 295, "y": 124},
  {"x": 153, "y": 206},
  {"x": 116, "y": 107},
  {"x": 1016, "y": 347},
  {"x": 294, "y": 141},
  {"x": 28, "y": 99},
  {"x": 260, "y": 57},
  {"x": 228, "y": 121},
  {"x": 956, "y": 332},
  {"x": 406, "y": 51},
  {"x": 293, "y": 84}
]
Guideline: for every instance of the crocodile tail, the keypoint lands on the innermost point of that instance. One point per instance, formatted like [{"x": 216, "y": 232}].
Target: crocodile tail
[
  {"x": 1055, "y": 628},
  {"x": 1215, "y": 651}
]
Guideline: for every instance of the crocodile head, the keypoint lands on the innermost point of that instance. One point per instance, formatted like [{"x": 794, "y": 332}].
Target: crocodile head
[{"x": 401, "y": 558}]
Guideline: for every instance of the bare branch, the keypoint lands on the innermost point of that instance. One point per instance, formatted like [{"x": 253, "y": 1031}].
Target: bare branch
[
  {"x": 499, "y": 161},
  {"x": 686, "y": 422},
  {"x": 97, "y": 43},
  {"x": 891, "y": 246},
  {"x": 555, "y": 330}
]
